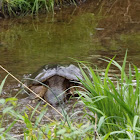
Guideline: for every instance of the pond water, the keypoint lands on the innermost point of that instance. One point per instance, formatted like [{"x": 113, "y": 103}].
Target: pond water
[
  {"x": 82, "y": 33},
  {"x": 87, "y": 32}
]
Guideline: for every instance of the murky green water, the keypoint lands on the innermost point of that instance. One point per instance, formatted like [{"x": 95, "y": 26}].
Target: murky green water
[
  {"x": 82, "y": 33},
  {"x": 27, "y": 44}
]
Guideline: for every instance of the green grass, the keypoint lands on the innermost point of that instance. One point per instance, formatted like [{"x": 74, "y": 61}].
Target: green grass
[
  {"x": 23, "y": 7},
  {"x": 32, "y": 126},
  {"x": 114, "y": 109},
  {"x": 35, "y": 129},
  {"x": 2, "y": 84},
  {"x": 117, "y": 104}
]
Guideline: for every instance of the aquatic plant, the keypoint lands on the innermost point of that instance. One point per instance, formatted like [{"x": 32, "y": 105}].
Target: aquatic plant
[
  {"x": 116, "y": 103},
  {"x": 22, "y": 7}
]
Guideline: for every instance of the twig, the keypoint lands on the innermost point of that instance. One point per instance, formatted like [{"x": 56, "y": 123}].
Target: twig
[
  {"x": 95, "y": 132},
  {"x": 111, "y": 7},
  {"x": 18, "y": 135},
  {"x": 30, "y": 89},
  {"x": 127, "y": 9}
]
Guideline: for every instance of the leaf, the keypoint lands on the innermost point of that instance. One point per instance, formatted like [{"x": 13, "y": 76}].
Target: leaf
[
  {"x": 2, "y": 129},
  {"x": 7, "y": 109},
  {"x": 40, "y": 117},
  {"x": 106, "y": 136},
  {"x": 123, "y": 68},
  {"x": 96, "y": 110},
  {"x": 27, "y": 121},
  {"x": 33, "y": 112},
  {"x": 11, "y": 99},
  {"x": 62, "y": 131},
  {"x": 20, "y": 117},
  {"x": 135, "y": 121},
  {"x": 129, "y": 135},
  {"x": 86, "y": 77},
  {"x": 11, "y": 125},
  {"x": 2, "y": 84},
  {"x": 117, "y": 132},
  {"x": 2, "y": 101},
  {"x": 121, "y": 103},
  {"x": 106, "y": 73},
  {"x": 101, "y": 121}
]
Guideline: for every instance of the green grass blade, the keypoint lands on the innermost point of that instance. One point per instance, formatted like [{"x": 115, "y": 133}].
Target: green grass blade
[
  {"x": 97, "y": 110},
  {"x": 2, "y": 84},
  {"x": 136, "y": 98},
  {"x": 97, "y": 82},
  {"x": 121, "y": 103},
  {"x": 101, "y": 121},
  {"x": 10, "y": 127},
  {"x": 123, "y": 68},
  {"x": 39, "y": 118},
  {"x": 114, "y": 89},
  {"x": 86, "y": 77},
  {"x": 106, "y": 74},
  {"x": 136, "y": 117},
  {"x": 34, "y": 111}
]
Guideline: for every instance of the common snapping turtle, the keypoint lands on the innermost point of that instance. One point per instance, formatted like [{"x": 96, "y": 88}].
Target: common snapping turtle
[{"x": 57, "y": 78}]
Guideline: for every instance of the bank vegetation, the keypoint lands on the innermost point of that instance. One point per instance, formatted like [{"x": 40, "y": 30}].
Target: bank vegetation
[{"x": 112, "y": 108}]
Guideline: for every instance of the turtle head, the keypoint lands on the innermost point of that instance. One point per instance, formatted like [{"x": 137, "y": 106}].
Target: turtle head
[
  {"x": 55, "y": 96},
  {"x": 56, "y": 91}
]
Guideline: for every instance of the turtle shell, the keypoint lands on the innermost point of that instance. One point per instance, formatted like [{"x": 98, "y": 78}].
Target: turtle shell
[{"x": 70, "y": 72}]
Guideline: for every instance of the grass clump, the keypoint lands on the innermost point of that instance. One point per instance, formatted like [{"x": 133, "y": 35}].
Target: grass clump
[
  {"x": 7, "y": 110},
  {"x": 34, "y": 129},
  {"x": 117, "y": 104},
  {"x": 23, "y": 7}
]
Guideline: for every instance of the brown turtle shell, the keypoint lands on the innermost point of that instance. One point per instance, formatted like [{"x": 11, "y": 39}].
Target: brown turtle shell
[{"x": 70, "y": 72}]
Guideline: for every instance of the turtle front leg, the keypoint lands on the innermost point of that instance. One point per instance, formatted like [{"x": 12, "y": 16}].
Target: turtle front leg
[{"x": 39, "y": 90}]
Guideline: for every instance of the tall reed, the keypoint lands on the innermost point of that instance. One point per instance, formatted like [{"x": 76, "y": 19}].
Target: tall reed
[{"x": 117, "y": 105}]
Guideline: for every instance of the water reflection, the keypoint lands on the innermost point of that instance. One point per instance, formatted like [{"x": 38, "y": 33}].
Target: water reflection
[{"x": 35, "y": 44}]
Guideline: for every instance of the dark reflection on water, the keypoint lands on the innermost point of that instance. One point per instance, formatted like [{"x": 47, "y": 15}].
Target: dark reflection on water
[{"x": 83, "y": 33}]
